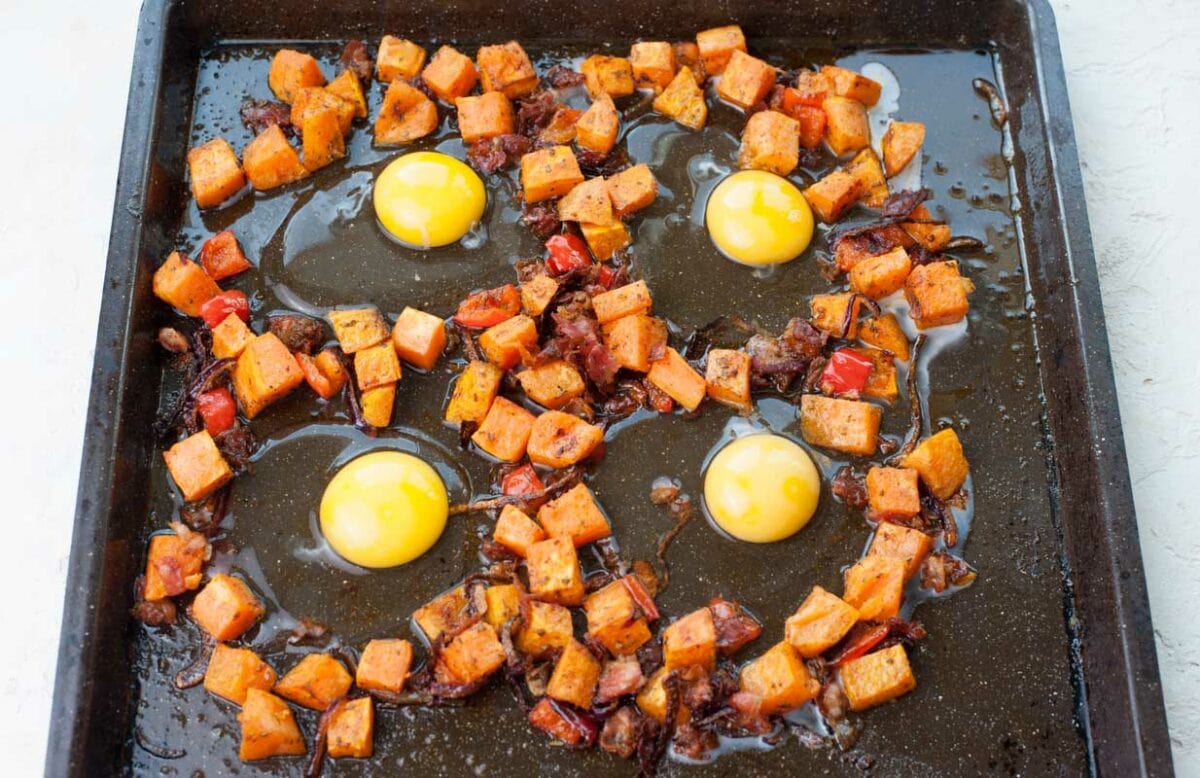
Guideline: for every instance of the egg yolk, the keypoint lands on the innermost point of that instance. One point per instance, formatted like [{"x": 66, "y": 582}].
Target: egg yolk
[
  {"x": 427, "y": 199},
  {"x": 761, "y": 488},
  {"x": 757, "y": 218},
  {"x": 384, "y": 509}
]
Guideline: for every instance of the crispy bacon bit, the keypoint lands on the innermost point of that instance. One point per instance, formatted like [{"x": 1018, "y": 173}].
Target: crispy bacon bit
[
  {"x": 561, "y": 77},
  {"x": 258, "y": 115},
  {"x": 748, "y": 717},
  {"x": 618, "y": 678},
  {"x": 577, "y": 339},
  {"x": 541, "y": 219},
  {"x": 237, "y": 445},
  {"x": 694, "y": 742},
  {"x": 630, "y": 395},
  {"x": 173, "y": 340},
  {"x": 778, "y": 360},
  {"x": 355, "y": 57},
  {"x": 298, "y": 333},
  {"x": 154, "y": 613},
  {"x": 534, "y": 112},
  {"x": 899, "y": 205},
  {"x": 850, "y": 487},
  {"x": 307, "y": 632},
  {"x": 492, "y": 154},
  {"x": 735, "y": 627},
  {"x": 942, "y": 570},
  {"x": 621, "y": 732}
]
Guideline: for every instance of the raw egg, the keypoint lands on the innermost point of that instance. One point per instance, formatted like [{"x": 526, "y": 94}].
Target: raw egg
[
  {"x": 761, "y": 488},
  {"x": 383, "y": 509},
  {"x": 758, "y": 218},
  {"x": 427, "y": 199}
]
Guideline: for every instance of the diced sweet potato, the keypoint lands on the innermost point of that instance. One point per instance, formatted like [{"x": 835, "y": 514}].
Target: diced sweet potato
[
  {"x": 292, "y": 70},
  {"x": 485, "y": 116},
  {"x": 322, "y": 140},
  {"x": 561, "y": 129},
  {"x": 846, "y": 129},
  {"x": 554, "y": 574},
  {"x": 516, "y": 531},
  {"x": 548, "y": 628},
  {"x": 779, "y": 679},
  {"x": 406, "y": 115},
  {"x": 746, "y": 80},
  {"x": 874, "y": 586},
  {"x": 315, "y": 682},
  {"x": 537, "y": 293},
  {"x": 378, "y": 403},
  {"x": 625, "y": 300},
  {"x": 770, "y": 141},
  {"x": 931, "y": 234},
  {"x": 811, "y": 119},
  {"x": 503, "y": 344},
  {"x": 631, "y": 190},
  {"x": 384, "y": 665},
  {"x": 878, "y": 276},
  {"x": 652, "y": 699},
  {"x": 506, "y": 68},
  {"x": 504, "y": 431},
  {"x": 633, "y": 340},
  {"x": 653, "y": 64},
  {"x": 216, "y": 174},
  {"x": 937, "y": 294},
  {"x": 866, "y": 168},
  {"x": 941, "y": 463},
  {"x": 878, "y": 677},
  {"x": 606, "y": 239},
  {"x": 614, "y": 620},
  {"x": 884, "y": 332},
  {"x": 574, "y": 515},
  {"x": 351, "y": 730},
  {"x": 222, "y": 257},
  {"x": 398, "y": 58},
  {"x": 819, "y": 623},
  {"x": 230, "y": 337},
  {"x": 313, "y": 100},
  {"x": 727, "y": 377},
  {"x": 234, "y": 671},
  {"x": 850, "y": 426},
  {"x": 316, "y": 378},
  {"x": 474, "y": 654},
  {"x": 900, "y": 144},
  {"x": 358, "y": 328},
  {"x": 270, "y": 161},
  {"x": 683, "y": 100},
  {"x": 548, "y": 717},
  {"x": 691, "y": 640},
  {"x": 560, "y": 440},
  {"x": 450, "y": 74},
  {"x": 910, "y": 546},
  {"x": 265, "y": 372},
  {"x": 450, "y": 612},
  {"x": 575, "y": 675},
  {"x": 548, "y": 173},
  {"x": 474, "y": 392},
  {"x": 831, "y": 196},
  {"x": 268, "y": 728},
  {"x": 881, "y": 381},
  {"x": 597, "y": 127},
  {"x": 892, "y": 493},
  {"x": 829, "y": 314},
  {"x": 607, "y": 75},
  {"x": 225, "y": 608},
  {"x": 552, "y": 384},
  {"x": 717, "y": 46},
  {"x": 196, "y": 466},
  {"x": 419, "y": 338},
  {"x": 587, "y": 202},
  {"x": 183, "y": 284},
  {"x": 687, "y": 55},
  {"x": 349, "y": 88},
  {"x": 503, "y": 603},
  {"x": 856, "y": 86},
  {"x": 376, "y": 366},
  {"x": 678, "y": 379}
]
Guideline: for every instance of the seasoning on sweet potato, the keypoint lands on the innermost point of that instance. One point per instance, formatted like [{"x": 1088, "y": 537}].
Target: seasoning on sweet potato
[
  {"x": 503, "y": 603},
  {"x": 597, "y": 127},
  {"x": 349, "y": 88},
  {"x": 222, "y": 257},
  {"x": 561, "y": 129},
  {"x": 855, "y": 86},
  {"x": 892, "y": 493},
  {"x": 652, "y": 699},
  {"x": 484, "y": 116},
  {"x": 634, "y": 339},
  {"x": 866, "y": 168},
  {"x": 183, "y": 284},
  {"x": 419, "y": 338},
  {"x": 406, "y": 115},
  {"x": 746, "y": 80},
  {"x": 575, "y": 675},
  {"x": 554, "y": 574},
  {"x": 932, "y": 235},
  {"x": 552, "y": 384},
  {"x": 603, "y": 74},
  {"x": 678, "y": 379},
  {"x": 358, "y": 328},
  {"x": 504, "y": 344},
  {"x": 877, "y": 678},
  {"x": 884, "y": 332},
  {"x": 450, "y": 612},
  {"x": 727, "y": 377},
  {"x": 537, "y": 293},
  {"x": 315, "y": 682},
  {"x": 312, "y": 100},
  {"x": 476, "y": 388},
  {"x": 268, "y": 728},
  {"x": 829, "y": 314},
  {"x": 717, "y": 45},
  {"x": 550, "y": 172},
  {"x": 653, "y": 64},
  {"x": 851, "y": 426},
  {"x": 941, "y": 463},
  {"x": 547, "y": 628},
  {"x": 625, "y": 300},
  {"x": 910, "y": 546},
  {"x": 819, "y": 623},
  {"x": 225, "y": 608},
  {"x": 351, "y": 730},
  {"x": 322, "y": 140},
  {"x": 474, "y": 654},
  {"x": 398, "y": 58},
  {"x": 881, "y": 381},
  {"x": 587, "y": 202},
  {"x": 377, "y": 404},
  {"x": 516, "y": 531},
  {"x": 874, "y": 585},
  {"x": 384, "y": 665},
  {"x": 449, "y": 74},
  {"x": 631, "y": 190},
  {"x": 265, "y": 373},
  {"x": 574, "y": 515},
  {"x": 878, "y": 276},
  {"x": 232, "y": 672},
  {"x": 230, "y": 337},
  {"x": 779, "y": 679},
  {"x": 833, "y": 195},
  {"x": 683, "y": 100},
  {"x": 614, "y": 620},
  {"x": 215, "y": 172},
  {"x": 606, "y": 239},
  {"x": 292, "y": 70},
  {"x": 196, "y": 466},
  {"x": 846, "y": 128},
  {"x": 376, "y": 366},
  {"x": 900, "y": 144},
  {"x": 506, "y": 68},
  {"x": 937, "y": 294},
  {"x": 691, "y": 640},
  {"x": 270, "y": 161},
  {"x": 175, "y": 562},
  {"x": 770, "y": 141},
  {"x": 560, "y": 440},
  {"x": 504, "y": 431}
]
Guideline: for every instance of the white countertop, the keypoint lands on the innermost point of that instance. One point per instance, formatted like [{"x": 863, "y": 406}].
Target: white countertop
[{"x": 1133, "y": 76}]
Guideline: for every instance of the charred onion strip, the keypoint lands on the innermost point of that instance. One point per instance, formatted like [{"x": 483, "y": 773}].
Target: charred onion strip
[
  {"x": 681, "y": 510},
  {"x": 353, "y": 401},
  {"x": 193, "y": 674},
  {"x": 321, "y": 739},
  {"x": 914, "y": 401},
  {"x": 161, "y": 752},
  {"x": 566, "y": 480}
]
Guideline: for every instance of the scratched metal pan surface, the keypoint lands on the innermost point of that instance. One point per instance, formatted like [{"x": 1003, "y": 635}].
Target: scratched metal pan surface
[{"x": 1045, "y": 666}]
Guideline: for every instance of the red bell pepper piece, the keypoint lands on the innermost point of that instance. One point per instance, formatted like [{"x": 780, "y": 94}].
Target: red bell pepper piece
[
  {"x": 845, "y": 373},
  {"x": 217, "y": 409},
  {"x": 860, "y": 641},
  {"x": 523, "y": 480},
  {"x": 567, "y": 253},
  {"x": 215, "y": 310},
  {"x": 606, "y": 276},
  {"x": 489, "y": 307}
]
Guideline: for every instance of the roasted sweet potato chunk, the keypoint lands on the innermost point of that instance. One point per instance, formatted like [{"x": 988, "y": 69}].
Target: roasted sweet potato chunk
[
  {"x": 941, "y": 463},
  {"x": 560, "y": 440},
  {"x": 931, "y": 234},
  {"x": 597, "y": 127},
  {"x": 829, "y": 314},
  {"x": 378, "y": 403},
  {"x": 215, "y": 172},
  {"x": 877, "y": 277},
  {"x": 548, "y": 717},
  {"x": 506, "y": 68},
  {"x": 384, "y": 665},
  {"x": 833, "y": 195},
  {"x": 270, "y": 161},
  {"x": 876, "y": 678},
  {"x": 746, "y": 80},
  {"x": 623, "y": 301},
  {"x": 474, "y": 391},
  {"x": 901, "y": 143},
  {"x": 587, "y": 202},
  {"x": 575, "y": 515},
  {"x": 548, "y": 627},
  {"x": 937, "y": 294},
  {"x": 635, "y": 340},
  {"x": 874, "y": 586},
  {"x": 485, "y": 116},
  {"x": 225, "y": 608},
  {"x": 550, "y": 172},
  {"x": 175, "y": 562},
  {"x": 503, "y": 344},
  {"x": 652, "y": 699},
  {"x": 322, "y": 140},
  {"x": 503, "y": 603},
  {"x": 727, "y": 377},
  {"x": 606, "y": 239},
  {"x": 653, "y": 64},
  {"x": 376, "y": 366},
  {"x": 351, "y": 730},
  {"x": 398, "y": 58},
  {"x": 884, "y": 332},
  {"x": 196, "y": 466},
  {"x": 716, "y": 46},
  {"x": 292, "y": 70},
  {"x": 232, "y": 672},
  {"x": 450, "y": 74},
  {"x": 631, "y": 190},
  {"x": 516, "y": 531},
  {"x": 779, "y": 679},
  {"x": 537, "y": 293},
  {"x": 678, "y": 379},
  {"x": 552, "y": 384},
  {"x": 450, "y": 612},
  {"x": 614, "y": 620},
  {"x": 473, "y": 655},
  {"x": 691, "y": 640},
  {"x": 851, "y": 426},
  {"x": 358, "y": 328},
  {"x": 183, "y": 284},
  {"x": 265, "y": 373},
  {"x": 316, "y": 682},
  {"x": 892, "y": 493},
  {"x": 856, "y": 86},
  {"x": 230, "y": 337},
  {"x": 554, "y": 574},
  {"x": 819, "y": 623},
  {"x": 406, "y": 115},
  {"x": 504, "y": 431},
  {"x": 770, "y": 141},
  {"x": 910, "y": 546},
  {"x": 867, "y": 169},
  {"x": 313, "y": 100},
  {"x": 575, "y": 675},
  {"x": 683, "y": 100},
  {"x": 607, "y": 75},
  {"x": 419, "y": 338},
  {"x": 847, "y": 129},
  {"x": 349, "y": 88},
  {"x": 268, "y": 728},
  {"x": 222, "y": 257}
]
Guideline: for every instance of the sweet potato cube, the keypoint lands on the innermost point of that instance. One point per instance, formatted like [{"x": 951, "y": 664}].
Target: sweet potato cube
[
  {"x": 419, "y": 338},
  {"x": 313, "y": 100},
  {"x": 182, "y": 553},
  {"x": 183, "y": 284},
  {"x": 234, "y": 671},
  {"x": 265, "y": 372},
  {"x": 850, "y": 426},
  {"x": 215, "y": 172},
  {"x": 450, "y": 612},
  {"x": 892, "y": 493},
  {"x": 874, "y": 586},
  {"x": 631, "y": 190},
  {"x": 548, "y": 717},
  {"x": 910, "y": 546},
  {"x": 852, "y": 249},
  {"x": 812, "y": 88},
  {"x": 717, "y": 45},
  {"x": 878, "y": 276},
  {"x": 322, "y": 140},
  {"x": 746, "y": 80},
  {"x": 625, "y": 300},
  {"x": 503, "y": 603},
  {"x": 937, "y": 294},
  {"x": 819, "y": 623},
  {"x": 537, "y": 293},
  {"x": 900, "y": 144},
  {"x": 196, "y": 466},
  {"x": 560, "y": 440},
  {"x": 552, "y": 384},
  {"x": 652, "y": 699},
  {"x": 675, "y": 376},
  {"x": 268, "y": 728},
  {"x": 614, "y": 619},
  {"x": 881, "y": 381},
  {"x": 376, "y": 366},
  {"x": 292, "y": 70},
  {"x": 506, "y": 68},
  {"x": 548, "y": 628},
  {"x": 548, "y": 173},
  {"x": 574, "y": 515},
  {"x": 316, "y": 378},
  {"x": 932, "y": 235},
  {"x": 358, "y": 328},
  {"x": 866, "y": 168},
  {"x": 941, "y": 463},
  {"x": 378, "y": 403},
  {"x": 504, "y": 431},
  {"x": 315, "y": 682},
  {"x": 485, "y": 116},
  {"x": 597, "y": 127},
  {"x": 633, "y": 339},
  {"x": 561, "y": 129},
  {"x": 398, "y": 58},
  {"x": 474, "y": 654},
  {"x": 770, "y": 141},
  {"x": 691, "y": 640},
  {"x": 727, "y": 377},
  {"x": 270, "y": 161},
  {"x": 606, "y": 239},
  {"x": 225, "y": 608},
  {"x": 587, "y": 202},
  {"x": 575, "y": 675},
  {"x": 349, "y": 88},
  {"x": 855, "y": 86},
  {"x": 351, "y": 730},
  {"x": 554, "y": 574},
  {"x": 829, "y": 314},
  {"x": 612, "y": 76},
  {"x": 504, "y": 343},
  {"x": 780, "y": 679},
  {"x": 831, "y": 196},
  {"x": 878, "y": 677},
  {"x": 884, "y": 332},
  {"x": 406, "y": 115},
  {"x": 222, "y": 257},
  {"x": 683, "y": 100},
  {"x": 474, "y": 392},
  {"x": 450, "y": 74},
  {"x": 653, "y": 64},
  {"x": 846, "y": 128},
  {"x": 812, "y": 120},
  {"x": 384, "y": 665}
]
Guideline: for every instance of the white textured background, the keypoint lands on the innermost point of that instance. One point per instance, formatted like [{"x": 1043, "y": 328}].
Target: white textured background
[{"x": 1134, "y": 77}]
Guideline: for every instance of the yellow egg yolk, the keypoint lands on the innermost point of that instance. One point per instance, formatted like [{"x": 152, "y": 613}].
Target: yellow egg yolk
[
  {"x": 427, "y": 199},
  {"x": 761, "y": 488},
  {"x": 757, "y": 218},
  {"x": 384, "y": 509}
]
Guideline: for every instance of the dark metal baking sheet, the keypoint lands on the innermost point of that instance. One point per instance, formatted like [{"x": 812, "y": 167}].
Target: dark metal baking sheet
[{"x": 1045, "y": 667}]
